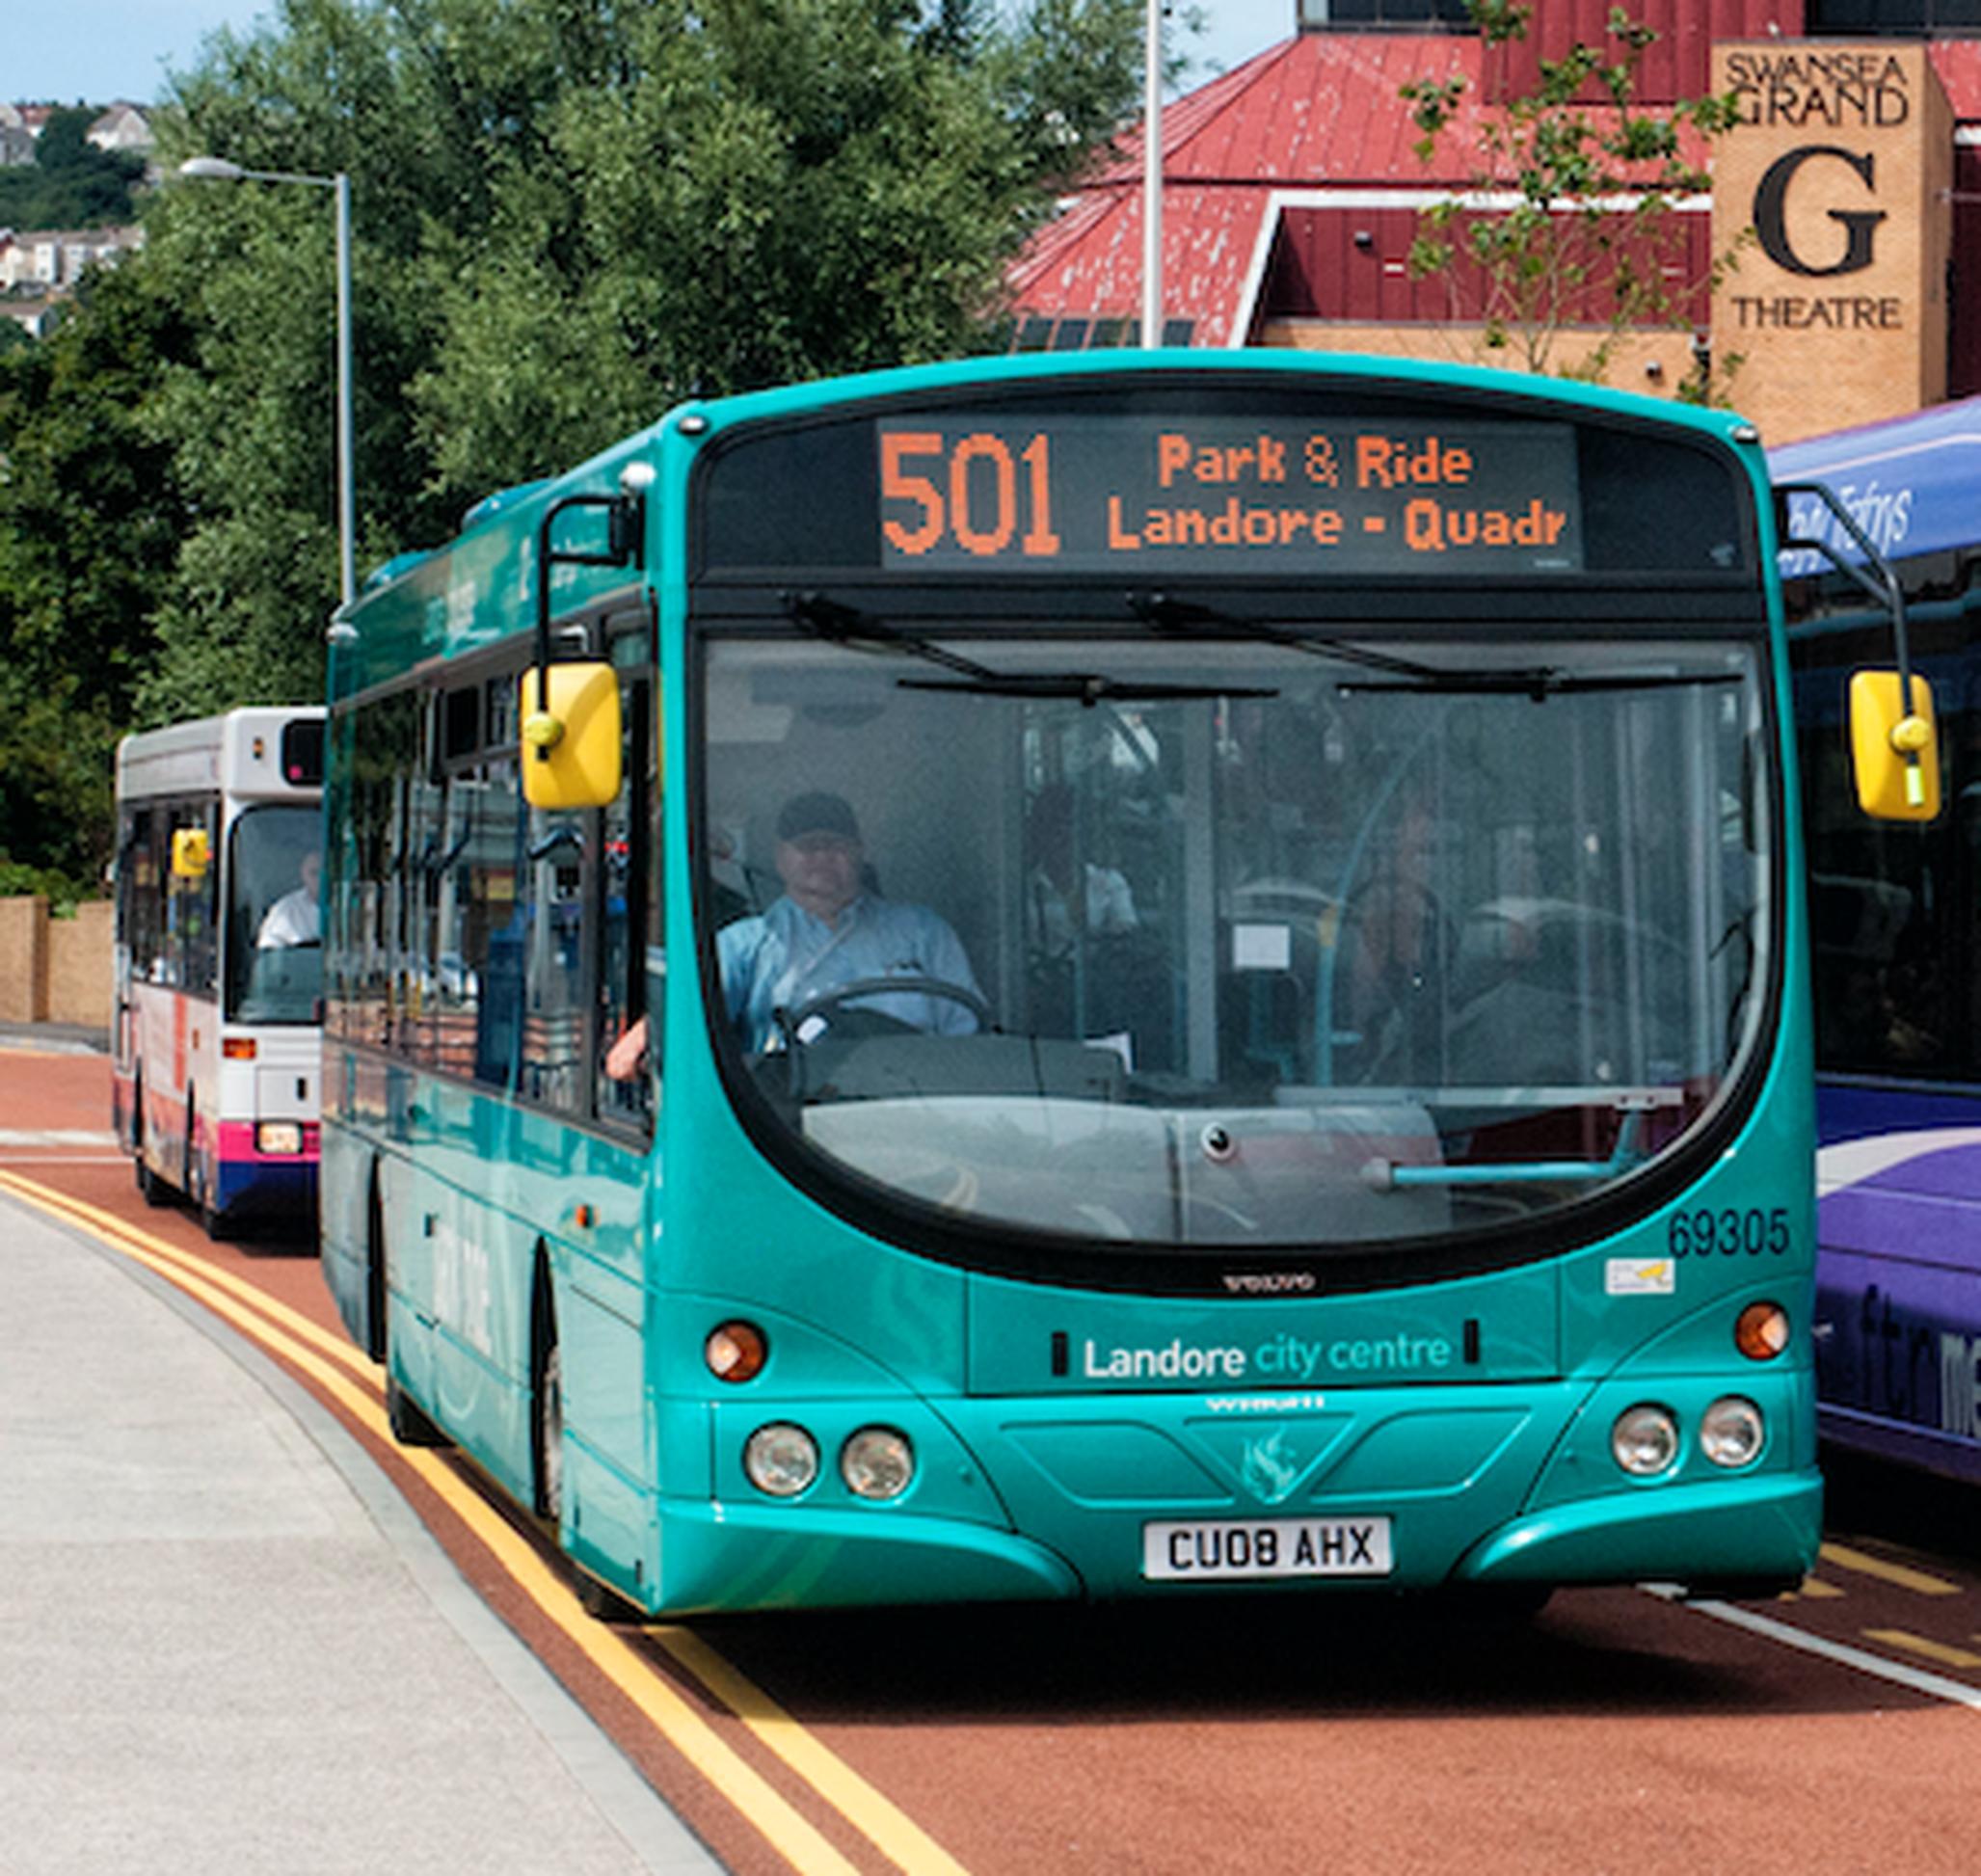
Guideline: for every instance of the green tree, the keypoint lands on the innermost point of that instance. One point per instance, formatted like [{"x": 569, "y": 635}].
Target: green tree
[
  {"x": 569, "y": 214},
  {"x": 72, "y": 183},
  {"x": 1564, "y": 253},
  {"x": 91, "y": 521}
]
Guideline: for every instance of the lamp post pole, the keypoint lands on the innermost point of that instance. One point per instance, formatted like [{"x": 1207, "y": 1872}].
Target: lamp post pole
[
  {"x": 217, "y": 168},
  {"x": 1152, "y": 180}
]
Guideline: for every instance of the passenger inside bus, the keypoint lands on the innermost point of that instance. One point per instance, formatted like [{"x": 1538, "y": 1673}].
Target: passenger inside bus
[
  {"x": 1397, "y": 944},
  {"x": 1056, "y": 914}
]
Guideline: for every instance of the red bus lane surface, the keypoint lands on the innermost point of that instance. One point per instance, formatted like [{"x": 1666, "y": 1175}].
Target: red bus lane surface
[{"x": 1833, "y": 1729}]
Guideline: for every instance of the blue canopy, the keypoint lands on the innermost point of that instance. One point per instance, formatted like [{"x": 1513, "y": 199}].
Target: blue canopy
[{"x": 1913, "y": 484}]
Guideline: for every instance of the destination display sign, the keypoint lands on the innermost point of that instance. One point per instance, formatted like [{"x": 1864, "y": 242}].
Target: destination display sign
[{"x": 1147, "y": 494}]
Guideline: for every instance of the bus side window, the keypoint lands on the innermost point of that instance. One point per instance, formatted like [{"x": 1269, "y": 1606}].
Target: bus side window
[
  {"x": 194, "y": 950},
  {"x": 553, "y": 1021},
  {"x": 493, "y": 937},
  {"x": 138, "y": 887},
  {"x": 629, "y": 929},
  {"x": 378, "y": 750}
]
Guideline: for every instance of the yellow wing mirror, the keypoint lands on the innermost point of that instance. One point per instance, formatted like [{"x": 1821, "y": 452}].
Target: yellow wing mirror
[
  {"x": 571, "y": 735},
  {"x": 1894, "y": 751},
  {"x": 192, "y": 854}
]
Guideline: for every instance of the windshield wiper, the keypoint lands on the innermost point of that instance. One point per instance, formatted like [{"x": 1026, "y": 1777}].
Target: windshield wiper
[
  {"x": 1165, "y": 612},
  {"x": 840, "y": 623},
  {"x": 1538, "y": 682},
  {"x": 846, "y": 625},
  {"x": 1089, "y": 687}
]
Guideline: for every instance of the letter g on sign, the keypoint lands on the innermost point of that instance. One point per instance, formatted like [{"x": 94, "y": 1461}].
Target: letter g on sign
[{"x": 1771, "y": 200}]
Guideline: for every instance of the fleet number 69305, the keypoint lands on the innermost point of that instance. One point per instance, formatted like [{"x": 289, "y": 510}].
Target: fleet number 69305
[{"x": 1730, "y": 1231}]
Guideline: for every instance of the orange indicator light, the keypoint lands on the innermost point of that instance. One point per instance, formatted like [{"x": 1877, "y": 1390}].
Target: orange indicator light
[
  {"x": 1761, "y": 1331},
  {"x": 736, "y": 1352}
]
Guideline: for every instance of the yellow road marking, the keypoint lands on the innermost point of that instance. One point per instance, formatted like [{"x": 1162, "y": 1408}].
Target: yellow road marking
[
  {"x": 1866, "y": 1564},
  {"x": 1815, "y": 1586},
  {"x": 883, "y": 1823},
  {"x": 850, "y": 1794},
  {"x": 1946, "y": 1656},
  {"x": 109, "y": 1224}
]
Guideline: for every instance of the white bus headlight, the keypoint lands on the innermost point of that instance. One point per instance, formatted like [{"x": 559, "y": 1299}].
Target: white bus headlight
[
  {"x": 273, "y": 1137},
  {"x": 877, "y": 1463},
  {"x": 781, "y": 1459},
  {"x": 1731, "y": 1432},
  {"x": 1645, "y": 1440}
]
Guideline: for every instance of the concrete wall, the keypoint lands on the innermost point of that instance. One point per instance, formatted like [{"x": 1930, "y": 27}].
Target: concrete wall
[{"x": 55, "y": 969}]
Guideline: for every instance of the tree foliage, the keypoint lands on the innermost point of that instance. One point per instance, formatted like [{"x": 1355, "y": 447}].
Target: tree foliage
[
  {"x": 91, "y": 517},
  {"x": 72, "y": 183},
  {"x": 1569, "y": 152},
  {"x": 567, "y": 215}
]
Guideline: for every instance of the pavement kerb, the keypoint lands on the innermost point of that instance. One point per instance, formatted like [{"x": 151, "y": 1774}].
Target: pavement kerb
[{"x": 652, "y": 1830}]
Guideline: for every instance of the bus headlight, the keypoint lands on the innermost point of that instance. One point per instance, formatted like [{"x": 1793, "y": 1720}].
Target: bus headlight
[
  {"x": 1731, "y": 1432},
  {"x": 1645, "y": 1440},
  {"x": 877, "y": 1463},
  {"x": 781, "y": 1459},
  {"x": 274, "y": 1136}
]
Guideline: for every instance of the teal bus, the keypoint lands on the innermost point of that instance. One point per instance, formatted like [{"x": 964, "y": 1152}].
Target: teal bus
[{"x": 1091, "y": 978}]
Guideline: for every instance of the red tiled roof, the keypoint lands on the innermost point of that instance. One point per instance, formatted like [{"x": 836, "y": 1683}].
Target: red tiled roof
[
  {"x": 1319, "y": 106},
  {"x": 1320, "y": 111},
  {"x": 1958, "y": 63},
  {"x": 1316, "y": 108}
]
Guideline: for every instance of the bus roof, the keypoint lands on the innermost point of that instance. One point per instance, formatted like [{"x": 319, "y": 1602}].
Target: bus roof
[
  {"x": 238, "y": 751},
  {"x": 1910, "y": 483},
  {"x": 477, "y": 589}
]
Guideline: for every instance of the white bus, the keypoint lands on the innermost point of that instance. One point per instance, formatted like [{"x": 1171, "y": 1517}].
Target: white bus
[{"x": 218, "y": 961}]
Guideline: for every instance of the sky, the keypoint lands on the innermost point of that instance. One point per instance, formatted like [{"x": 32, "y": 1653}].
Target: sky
[{"x": 62, "y": 51}]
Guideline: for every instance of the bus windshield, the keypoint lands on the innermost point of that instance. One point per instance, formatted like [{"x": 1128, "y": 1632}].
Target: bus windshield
[
  {"x": 275, "y": 939},
  {"x": 1257, "y": 938}
]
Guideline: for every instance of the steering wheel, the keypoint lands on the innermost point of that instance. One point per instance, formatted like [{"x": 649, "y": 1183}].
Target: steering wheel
[{"x": 877, "y": 1022}]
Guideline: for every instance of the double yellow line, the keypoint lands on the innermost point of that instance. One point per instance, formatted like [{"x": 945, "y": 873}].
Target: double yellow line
[{"x": 356, "y": 1384}]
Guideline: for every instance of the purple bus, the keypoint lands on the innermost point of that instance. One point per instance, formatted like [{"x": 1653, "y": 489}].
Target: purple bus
[{"x": 1895, "y": 917}]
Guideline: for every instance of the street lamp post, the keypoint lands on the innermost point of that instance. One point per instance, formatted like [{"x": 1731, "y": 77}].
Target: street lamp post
[
  {"x": 1152, "y": 178},
  {"x": 217, "y": 168}
]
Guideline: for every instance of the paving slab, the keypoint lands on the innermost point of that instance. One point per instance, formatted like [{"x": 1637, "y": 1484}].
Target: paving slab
[{"x": 227, "y": 1643}]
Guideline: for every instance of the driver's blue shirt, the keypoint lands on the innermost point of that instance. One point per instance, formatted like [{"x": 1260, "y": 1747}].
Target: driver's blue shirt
[{"x": 784, "y": 958}]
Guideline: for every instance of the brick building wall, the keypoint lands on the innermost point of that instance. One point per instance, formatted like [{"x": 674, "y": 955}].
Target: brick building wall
[{"x": 55, "y": 969}]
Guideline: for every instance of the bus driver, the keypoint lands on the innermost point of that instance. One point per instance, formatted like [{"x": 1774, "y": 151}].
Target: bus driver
[
  {"x": 827, "y": 930},
  {"x": 297, "y": 917}
]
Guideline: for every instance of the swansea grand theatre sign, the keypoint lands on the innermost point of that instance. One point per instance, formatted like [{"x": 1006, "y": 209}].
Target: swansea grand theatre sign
[{"x": 1833, "y": 191}]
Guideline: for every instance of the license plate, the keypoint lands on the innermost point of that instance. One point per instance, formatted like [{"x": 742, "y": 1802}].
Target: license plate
[{"x": 1241, "y": 1550}]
